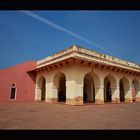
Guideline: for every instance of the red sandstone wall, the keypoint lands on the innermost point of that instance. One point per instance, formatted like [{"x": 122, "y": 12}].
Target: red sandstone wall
[{"x": 24, "y": 82}]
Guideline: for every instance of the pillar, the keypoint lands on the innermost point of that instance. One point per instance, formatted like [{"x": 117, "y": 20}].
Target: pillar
[
  {"x": 38, "y": 93},
  {"x": 128, "y": 94},
  {"x": 99, "y": 95},
  {"x": 116, "y": 92},
  {"x": 51, "y": 89},
  {"x": 137, "y": 97},
  {"x": 99, "y": 91},
  {"x": 74, "y": 94},
  {"x": 74, "y": 85},
  {"x": 116, "y": 95},
  {"x": 54, "y": 97}
]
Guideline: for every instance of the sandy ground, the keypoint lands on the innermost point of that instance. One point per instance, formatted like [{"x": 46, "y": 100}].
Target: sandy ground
[{"x": 41, "y": 115}]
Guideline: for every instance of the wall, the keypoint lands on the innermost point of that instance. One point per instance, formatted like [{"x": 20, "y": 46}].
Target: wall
[
  {"x": 24, "y": 82},
  {"x": 74, "y": 83}
]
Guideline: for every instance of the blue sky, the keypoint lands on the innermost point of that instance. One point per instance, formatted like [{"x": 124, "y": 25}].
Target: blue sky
[{"x": 24, "y": 38}]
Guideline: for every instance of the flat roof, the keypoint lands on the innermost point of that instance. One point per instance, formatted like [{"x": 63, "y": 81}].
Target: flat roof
[{"x": 86, "y": 54}]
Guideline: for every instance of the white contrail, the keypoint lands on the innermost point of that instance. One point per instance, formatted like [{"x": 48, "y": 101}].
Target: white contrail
[{"x": 48, "y": 22}]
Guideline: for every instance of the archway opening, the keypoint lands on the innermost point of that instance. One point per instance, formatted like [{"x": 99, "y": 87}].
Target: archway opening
[
  {"x": 62, "y": 89},
  {"x": 107, "y": 92},
  {"x": 59, "y": 82},
  {"x": 109, "y": 88},
  {"x": 124, "y": 88},
  {"x": 122, "y": 93},
  {"x": 135, "y": 89},
  {"x": 41, "y": 89},
  {"x": 89, "y": 89}
]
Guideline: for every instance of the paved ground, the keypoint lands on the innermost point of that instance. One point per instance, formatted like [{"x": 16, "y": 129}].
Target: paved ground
[{"x": 41, "y": 115}]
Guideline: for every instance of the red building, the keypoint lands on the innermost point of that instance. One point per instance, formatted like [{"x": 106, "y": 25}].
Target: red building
[{"x": 17, "y": 83}]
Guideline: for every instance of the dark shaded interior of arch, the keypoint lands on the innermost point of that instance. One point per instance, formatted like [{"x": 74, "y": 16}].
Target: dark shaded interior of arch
[
  {"x": 43, "y": 90},
  {"x": 62, "y": 89},
  {"x": 108, "y": 92},
  {"x": 88, "y": 87},
  {"x": 121, "y": 91}
]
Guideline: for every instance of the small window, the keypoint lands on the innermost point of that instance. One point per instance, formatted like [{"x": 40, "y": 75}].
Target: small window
[{"x": 13, "y": 93}]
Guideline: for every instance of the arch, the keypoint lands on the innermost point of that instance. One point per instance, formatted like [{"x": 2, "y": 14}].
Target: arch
[
  {"x": 59, "y": 82},
  {"x": 124, "y": 88},
  {"x": 135, "y": 88},
  {"x": 41, "y": 88},
  {"x": 109, "y": 87},
  {"x": 91, "y": 81}
]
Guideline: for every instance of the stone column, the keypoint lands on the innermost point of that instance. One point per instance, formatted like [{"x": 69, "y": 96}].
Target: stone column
[
  {"x": 99, "y": 95},
  {"x": 74, "y": 94},
  {"x": 49, "y": 92},
  {"x": 128, "y": 94},
  {"x": 116, "y": 92},
  {"x": 99, "y": 91},
  {"x": 137, "y": 97},
  {"x": 74, "y": 84},
  {"x": 54, "y": 98},
  {"x": 38, "y": 94},
  {"x": 116, "y": 95}
]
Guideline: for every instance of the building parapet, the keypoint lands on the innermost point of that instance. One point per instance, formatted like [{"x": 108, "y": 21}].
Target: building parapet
[{"x": 91, "y": 53}]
